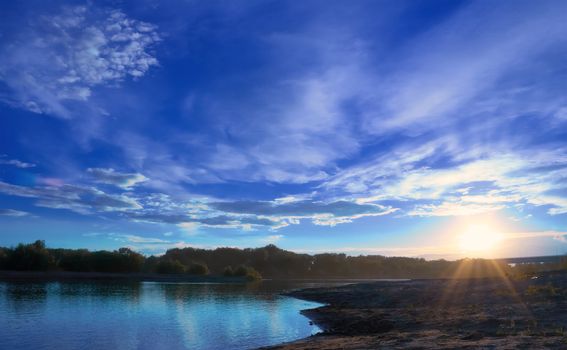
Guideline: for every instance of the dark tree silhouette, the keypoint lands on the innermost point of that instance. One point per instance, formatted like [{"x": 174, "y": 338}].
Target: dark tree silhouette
[{"x": 269, "y": 261}]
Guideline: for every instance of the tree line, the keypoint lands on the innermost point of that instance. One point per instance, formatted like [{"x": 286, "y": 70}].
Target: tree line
[{"x": 253, "y": 263}]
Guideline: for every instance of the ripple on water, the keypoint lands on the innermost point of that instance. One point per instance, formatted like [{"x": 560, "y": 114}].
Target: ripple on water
[{"x": 99, "y": 315}]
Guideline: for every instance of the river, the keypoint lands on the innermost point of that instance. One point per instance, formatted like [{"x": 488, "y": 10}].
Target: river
[{"x": 150, "y": 315}]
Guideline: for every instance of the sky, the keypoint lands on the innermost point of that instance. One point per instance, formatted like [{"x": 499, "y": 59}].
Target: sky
[{"x": 363, "y": 127}]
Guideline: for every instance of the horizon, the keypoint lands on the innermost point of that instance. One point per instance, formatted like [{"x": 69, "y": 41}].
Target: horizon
[
  {"x": 306, "y": 252},
  {"x": 371, "y": 128}
]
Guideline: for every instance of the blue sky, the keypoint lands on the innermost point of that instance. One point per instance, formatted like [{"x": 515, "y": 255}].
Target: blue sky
[{"x": 365, "y": 127}]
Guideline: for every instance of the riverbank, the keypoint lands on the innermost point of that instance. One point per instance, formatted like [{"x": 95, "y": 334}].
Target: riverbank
[
  {"x": 440, "y": 314},
  {"x": 33, "y": 276}
]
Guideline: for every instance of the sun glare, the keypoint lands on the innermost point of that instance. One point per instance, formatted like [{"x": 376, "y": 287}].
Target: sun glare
[{"x": 479, "y": 239}]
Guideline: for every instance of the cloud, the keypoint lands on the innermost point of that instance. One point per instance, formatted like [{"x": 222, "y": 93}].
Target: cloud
[
  {"x": 435, "y": 252},
  {"x": 460, "y": 185},
  {"x": 76, "y": 198},
  {"x": 460, "y": 69},
  {"x": 159, "y": 248},
  {"x": 453, "y": 209},
  {"x": 559, "y": 204},
  {"x": 250, "y": 215},
  {"x": 191, "y": 222},
  {"x": 54, "y": 59},
  {"x": 147, "y": 245},
  {"x": 111, "y": 177},
  {"x": 435, "y": 84},
  {"x": 12, "y": 212},
  {"x": 294, "y": 127},
  {"x": 137, "y": 239},
  {"x": 466, "y": 205},
  {"x": 320, "y": 213},
  {"x": 556, "y": 235},
  {"x": 434, "y": 125},
  {"x": 272, "y": 239},
  {"x": 15, "y": 162}
]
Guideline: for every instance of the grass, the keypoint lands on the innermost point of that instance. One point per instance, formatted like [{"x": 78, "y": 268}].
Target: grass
[{"x": 547, "y": 290}]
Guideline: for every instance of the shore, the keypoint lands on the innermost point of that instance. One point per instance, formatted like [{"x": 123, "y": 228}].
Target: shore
[
  {"x": 439, "y": 314},
  {"x": 37, "y": 276}
]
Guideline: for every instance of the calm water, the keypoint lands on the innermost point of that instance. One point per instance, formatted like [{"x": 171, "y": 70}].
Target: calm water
[{"x": 147, "y": 315}]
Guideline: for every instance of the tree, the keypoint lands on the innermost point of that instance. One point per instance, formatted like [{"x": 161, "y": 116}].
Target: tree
[
  {"x": 30, "y": 257},
  {"x": 130, "y": 260},
  {"x": 4, "y": 258}
]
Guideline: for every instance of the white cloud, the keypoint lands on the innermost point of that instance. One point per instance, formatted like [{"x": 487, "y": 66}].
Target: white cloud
[
  {"x": 112, "y": 177},
  {"x": 453, "y": 209},
  {"x": 15, "y": 162},
  {"x": 80, "y": 199},
  {"x": 284, "y": 213},
  {"x": 58, "y": 58},
  {"x": 559, "y": 204},
  {"x": 137, "y": 239},
  {"x": 557, "y": 235},
  {"x": 147, "y": 245},
  {"x": 13, "y": 213},
  {"x": 272, "y": 239},
  {"x": 467, "y": 187},
  {"x": 457, "y": 69}
]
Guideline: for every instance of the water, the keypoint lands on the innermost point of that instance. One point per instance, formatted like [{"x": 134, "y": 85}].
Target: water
[{"x": 147, "y": 315}]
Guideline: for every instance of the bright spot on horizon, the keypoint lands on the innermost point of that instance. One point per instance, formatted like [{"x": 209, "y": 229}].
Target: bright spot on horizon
[
  {"x": 365, "y": 127},
  {"x": 479, "y": 239}
]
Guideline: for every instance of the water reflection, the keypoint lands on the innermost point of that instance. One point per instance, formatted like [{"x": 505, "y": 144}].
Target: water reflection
[{"x": 149, "y": 315}]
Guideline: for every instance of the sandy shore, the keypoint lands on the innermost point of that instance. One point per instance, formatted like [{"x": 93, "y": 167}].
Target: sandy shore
[{"x": 440, "y": 314}]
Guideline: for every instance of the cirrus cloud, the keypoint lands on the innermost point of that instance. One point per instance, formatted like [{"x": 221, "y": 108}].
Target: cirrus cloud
[{"x": 112, "y": 177}]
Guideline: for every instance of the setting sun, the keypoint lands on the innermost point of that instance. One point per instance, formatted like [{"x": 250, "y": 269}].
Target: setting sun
[
  {"x": 479, "y": 239},
  {"x": 248, "y": 174}
]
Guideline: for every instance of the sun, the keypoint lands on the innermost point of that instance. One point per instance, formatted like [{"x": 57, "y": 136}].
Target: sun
[{"x": 479, "y": 239}]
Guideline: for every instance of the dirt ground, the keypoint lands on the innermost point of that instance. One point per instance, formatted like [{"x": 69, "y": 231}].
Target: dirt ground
[{"x": 440, "y": 314}]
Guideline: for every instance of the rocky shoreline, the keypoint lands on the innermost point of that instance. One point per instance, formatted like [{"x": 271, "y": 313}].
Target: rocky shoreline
[{"x": 440, "y": 314}]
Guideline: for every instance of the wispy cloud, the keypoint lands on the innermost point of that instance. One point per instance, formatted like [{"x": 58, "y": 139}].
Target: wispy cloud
[
  {"x": 76, "y": 198},
  {"x": 460, "y": 69},
  {"x": 147, "y": 245},
  {"x": 272, "y": 239},
  {"x": 453, "y": 209},
  {"x": 15, "y": 162},
  {"x": 320, "y": 213},
  {"x": 557, "y": 235},
  {"x": 112, "y": 177},
  {"x": 460, "y": 187},
  {"x": 13, "y": 213},
  {"x": 59, "y": 58},
  {"x": 346, "y": 116}
]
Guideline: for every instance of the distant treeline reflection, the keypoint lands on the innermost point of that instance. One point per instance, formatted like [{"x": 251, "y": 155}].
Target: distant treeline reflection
[{"x": 269, "y": 262}]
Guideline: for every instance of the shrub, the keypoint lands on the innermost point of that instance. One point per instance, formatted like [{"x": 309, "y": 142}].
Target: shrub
[
  {"x": 228, "y": 272},
  {"x": 198, "y": 269},
  {"x": 249, "y": 272},
  {"x": 241, "y": 271},
  {"x": 253, "y": 275},
  {"x": 170, "y": 266}
]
